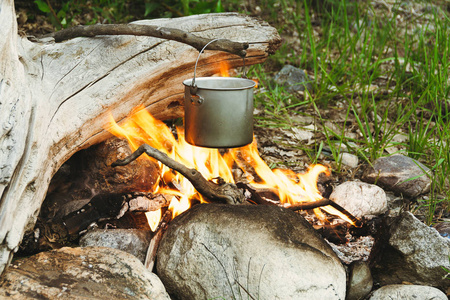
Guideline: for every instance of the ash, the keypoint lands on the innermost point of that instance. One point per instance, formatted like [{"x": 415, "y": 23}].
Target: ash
[{"x": 355, "y": 249}]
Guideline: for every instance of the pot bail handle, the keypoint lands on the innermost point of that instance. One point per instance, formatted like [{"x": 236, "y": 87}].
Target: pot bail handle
[{"x": 193, "y": 87}]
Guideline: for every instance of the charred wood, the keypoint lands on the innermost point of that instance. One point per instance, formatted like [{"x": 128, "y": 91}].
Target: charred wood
[
  {"x": 102, "y": 211},
  {"x": 334, "y": 233}
]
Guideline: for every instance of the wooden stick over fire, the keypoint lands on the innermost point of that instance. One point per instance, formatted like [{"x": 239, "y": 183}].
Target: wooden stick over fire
[{"x": 222, "y": 192}]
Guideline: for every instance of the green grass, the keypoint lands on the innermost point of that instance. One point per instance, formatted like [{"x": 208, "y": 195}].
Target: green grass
[{"x": 355, "y": 51}]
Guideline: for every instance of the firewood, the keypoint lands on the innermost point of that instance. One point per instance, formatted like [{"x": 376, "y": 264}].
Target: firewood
[{"x": 325, "y": 202}]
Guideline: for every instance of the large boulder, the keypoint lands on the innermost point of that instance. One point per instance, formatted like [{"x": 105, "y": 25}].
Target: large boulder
[
  {"x": 266, "y": 252},
  {"x": 81, "y": 273}
]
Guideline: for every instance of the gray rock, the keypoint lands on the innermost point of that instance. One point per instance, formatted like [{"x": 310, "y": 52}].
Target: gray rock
[
  {"x": 133, "y": 241},
  {"x": 360, "y": 199},
  {"x": 228, "y": 251},
  {"x": 410, "y": 251},
  {"x": 401, "y": 292},
  {"x": 81, "y": 273},
  {"x": 360, "y": 280},
  {"x": 294, "y": 79},
  {"x": 400, "y": 174},
  {"x": 349, "y": 159}
]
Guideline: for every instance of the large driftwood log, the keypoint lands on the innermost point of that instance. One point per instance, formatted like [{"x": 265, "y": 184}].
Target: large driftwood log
[{"x": 55, "y": 98}]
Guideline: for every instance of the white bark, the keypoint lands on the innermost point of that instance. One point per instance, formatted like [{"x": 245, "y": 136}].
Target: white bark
[{"x": 55, "y": 98}]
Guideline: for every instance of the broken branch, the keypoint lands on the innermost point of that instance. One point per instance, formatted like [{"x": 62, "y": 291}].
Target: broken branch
[
  {"x": 150, "y": 30},
  {"x": 222, "y": 192},
  {"x": 325, "y": 202}
]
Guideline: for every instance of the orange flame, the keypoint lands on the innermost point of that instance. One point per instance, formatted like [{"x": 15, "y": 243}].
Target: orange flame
[
  {"x": 224, "y": 67},
  {"x": 291, "y": 187}
]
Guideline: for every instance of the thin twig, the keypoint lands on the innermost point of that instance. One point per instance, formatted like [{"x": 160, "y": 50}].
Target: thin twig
[
  {"x": 300, "y": 206},
  {"x": 53, "y": 12},
  {"x": 309, "y": 205}
]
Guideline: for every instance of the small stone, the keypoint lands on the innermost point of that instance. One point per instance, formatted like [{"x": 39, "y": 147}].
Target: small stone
[
  {"x": 401, "y": 292},
  {"x": 360, "y": 199},
  {"x": 294, "y": 79},
  {"x": 360, "y": 280},
  {"x": 348, "y": 159},
  {"x": 133, "y": 241},
  {"x": 400, "y": 174}
]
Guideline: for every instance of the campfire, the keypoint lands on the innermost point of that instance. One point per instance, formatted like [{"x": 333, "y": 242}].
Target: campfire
[
  {"x": 292, "y": 190},
  {"x": 171, "y": 178},
  {"x": 151, "y": 190}
]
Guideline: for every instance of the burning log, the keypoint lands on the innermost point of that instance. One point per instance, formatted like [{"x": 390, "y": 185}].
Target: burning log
[
  {"x": 221, "y": 192},
  {"x": 56, "y": 97}
]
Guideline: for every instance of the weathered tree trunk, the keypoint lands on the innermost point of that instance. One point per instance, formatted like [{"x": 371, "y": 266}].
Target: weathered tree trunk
[{"x": 55, "y": 98}]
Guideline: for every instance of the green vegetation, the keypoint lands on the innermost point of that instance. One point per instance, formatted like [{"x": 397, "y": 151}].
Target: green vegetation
[
  {"x": 383, "y": 69},
  {"x": 63, "y": 14}
]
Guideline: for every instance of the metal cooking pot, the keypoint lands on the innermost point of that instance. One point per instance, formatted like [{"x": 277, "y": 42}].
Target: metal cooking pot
[{"x": 218, "y": 111}]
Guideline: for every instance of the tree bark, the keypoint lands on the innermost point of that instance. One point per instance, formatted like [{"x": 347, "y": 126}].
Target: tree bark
[{"x": 55, "y": 98}]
